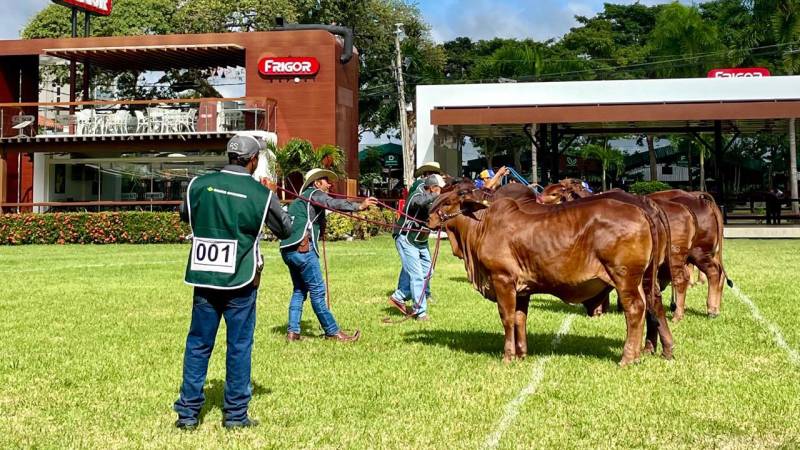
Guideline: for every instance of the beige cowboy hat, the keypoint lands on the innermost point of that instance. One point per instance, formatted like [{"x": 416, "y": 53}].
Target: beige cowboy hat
[
  {"x": 315, "y": 174},
  {"x": 432, "y": 166}
]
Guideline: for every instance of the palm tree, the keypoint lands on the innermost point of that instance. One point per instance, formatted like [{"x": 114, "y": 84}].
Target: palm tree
[
  {"x": 786, "y": 29},
  {"x": 610, "y": 158},
  {"x": 299, "y": 156}
]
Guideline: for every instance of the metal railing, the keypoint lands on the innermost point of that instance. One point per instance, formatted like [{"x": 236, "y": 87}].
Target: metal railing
[{"x": 137, "y": 117}]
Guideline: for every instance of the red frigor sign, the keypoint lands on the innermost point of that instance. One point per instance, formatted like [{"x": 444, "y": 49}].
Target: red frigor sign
[
  {"x": 750, "y": 72},
  {"x": 101, "y": 7},
  {"x": 288, "y": 66}
]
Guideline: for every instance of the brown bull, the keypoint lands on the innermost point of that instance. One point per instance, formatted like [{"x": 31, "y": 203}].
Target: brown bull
[
  {"x": 681, "y": 224},
  {"x": 706, "y": 252},
  {"x": 576, "y": 252},
  {"x": 704, "y": 249}
]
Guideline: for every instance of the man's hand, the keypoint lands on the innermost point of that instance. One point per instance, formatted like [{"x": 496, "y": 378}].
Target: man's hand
[
  {"x": 269, "y": 184},
  {"x": 503, "y": 171},
  {"x": 369, "y": 201}
]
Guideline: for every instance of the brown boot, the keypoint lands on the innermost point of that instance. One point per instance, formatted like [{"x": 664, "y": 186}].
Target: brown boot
[
  {"x": 398, "y": 305},
  {"x": 291, "y": 336},
  {"x": 341, "y": 336}
]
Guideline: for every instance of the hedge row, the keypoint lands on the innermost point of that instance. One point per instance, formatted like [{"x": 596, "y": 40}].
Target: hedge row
[{"x": 144, "y": 228}]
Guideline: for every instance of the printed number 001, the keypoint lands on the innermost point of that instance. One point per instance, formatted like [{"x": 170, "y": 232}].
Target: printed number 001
[{"x": 212, "y": 252}]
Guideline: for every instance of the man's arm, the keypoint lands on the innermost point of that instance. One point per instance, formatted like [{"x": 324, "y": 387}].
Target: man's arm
[
  {"x": 277, "y": 220},
  {"x": 423, "y": 200},
  {"x": 334, "y": 203},
  {"x": 184, "y": 212}
]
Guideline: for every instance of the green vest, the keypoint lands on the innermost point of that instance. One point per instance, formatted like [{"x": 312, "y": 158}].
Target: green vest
[
  {"x": 304, "y": 217},
  {"x": 226, "y": 213},
  {"x": 419, "y": 236}
]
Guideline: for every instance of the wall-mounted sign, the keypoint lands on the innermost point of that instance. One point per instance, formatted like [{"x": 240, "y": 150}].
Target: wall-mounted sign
[
  {"x": 749, "y": 72},
  {"x": 288, "y": 66},
  {"x": 391, "y": 161}
]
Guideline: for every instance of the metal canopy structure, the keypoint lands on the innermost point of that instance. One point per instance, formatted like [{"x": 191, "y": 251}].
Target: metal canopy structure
[
  {"x": 161, "y": 57},
  {"x": 558, "y": 110}
]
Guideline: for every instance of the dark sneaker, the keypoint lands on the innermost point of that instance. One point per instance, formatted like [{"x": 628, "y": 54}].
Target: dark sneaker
[
  {"x": 398, "y": 305},
  {"x": 187, "y": 425},
  {"x": 244, "y": 423}
]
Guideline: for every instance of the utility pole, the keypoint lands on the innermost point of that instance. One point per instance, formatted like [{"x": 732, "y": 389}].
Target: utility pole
[{"x": 409, "y": 163}]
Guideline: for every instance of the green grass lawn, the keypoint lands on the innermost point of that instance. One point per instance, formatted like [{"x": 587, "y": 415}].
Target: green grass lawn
[{"x": 92, "y": 340}]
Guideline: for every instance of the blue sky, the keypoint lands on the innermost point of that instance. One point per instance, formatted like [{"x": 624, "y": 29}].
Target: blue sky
[{"x": 477, "y": 19}]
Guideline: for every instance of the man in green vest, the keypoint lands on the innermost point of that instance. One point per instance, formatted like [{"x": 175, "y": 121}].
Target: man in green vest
[
  {"x": 226, "y": 211},
  {"x": 300, "y": 252},
  {"x": 411, "y": 240},
  {"x": 424, "y": 171}
]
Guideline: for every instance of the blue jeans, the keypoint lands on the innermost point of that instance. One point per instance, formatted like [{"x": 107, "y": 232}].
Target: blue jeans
[
  {"x": 307, "y": 279},
  {"x": 404, "y": 284},
  {"x": 239, "y": 309},
  {"x": 416, "y": 264}
]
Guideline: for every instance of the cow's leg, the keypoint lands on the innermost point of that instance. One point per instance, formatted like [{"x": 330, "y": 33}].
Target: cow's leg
[
  {"x": 680, "y": 282},
  {"x": 631, "y": 295},
  {"x": 713, "y": 271},
  {"x": 598, "y": 305},
  {"x": 506, "y": 306},
  {"x": 521, "y": 325}
]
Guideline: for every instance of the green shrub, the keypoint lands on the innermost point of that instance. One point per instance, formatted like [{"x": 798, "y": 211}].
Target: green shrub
[
  {"x": 146, "y": 227},
  {"x": 648, "y": 187}
]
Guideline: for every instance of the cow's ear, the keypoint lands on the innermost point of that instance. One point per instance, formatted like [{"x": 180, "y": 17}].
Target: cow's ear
[{"x": 470, "y": 205}]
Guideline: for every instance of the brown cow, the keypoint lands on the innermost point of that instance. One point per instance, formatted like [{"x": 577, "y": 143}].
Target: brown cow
[
  {"x": 513, "y": 249},
  {"x": 706, "y": 253},
  {"x": 682, "y": 226}
]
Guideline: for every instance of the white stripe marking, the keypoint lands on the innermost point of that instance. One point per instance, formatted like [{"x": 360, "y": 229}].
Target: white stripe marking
[
  {"x": 537, "y": 373},
  {"x": 777, "y": 336}
]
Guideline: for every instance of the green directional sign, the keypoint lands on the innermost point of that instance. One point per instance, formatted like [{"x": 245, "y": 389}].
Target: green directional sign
[{"x": 391, "y": 161}]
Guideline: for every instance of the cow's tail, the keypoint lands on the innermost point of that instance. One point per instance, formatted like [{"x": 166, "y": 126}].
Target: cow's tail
[
  {"x": 662, "y": 217},
  {"x": 654, "y": 263},
  {"x": 720, "y": 234}
]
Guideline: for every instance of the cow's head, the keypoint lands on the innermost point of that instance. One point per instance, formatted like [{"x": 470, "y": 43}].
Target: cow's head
[
  {"x": 564, "y": 191},
  {"x": 457, "y": 199}
]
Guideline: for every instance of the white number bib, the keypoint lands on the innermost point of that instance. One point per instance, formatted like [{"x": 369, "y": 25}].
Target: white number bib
[{"x": 214, "y": 255}]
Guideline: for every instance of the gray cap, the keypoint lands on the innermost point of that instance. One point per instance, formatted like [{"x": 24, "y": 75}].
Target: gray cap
[
  {"x": 245, "y": 145},
  {"x": 434, "y": 180}
]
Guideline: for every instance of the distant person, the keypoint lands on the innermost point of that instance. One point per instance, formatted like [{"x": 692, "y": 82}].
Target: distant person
[
  {"x": 490, "y": 180},
  {"x": 774, "y": 200},
  {"x": 226, "y": 211}
]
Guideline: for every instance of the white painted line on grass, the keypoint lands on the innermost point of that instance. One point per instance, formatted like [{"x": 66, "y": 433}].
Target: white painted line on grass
[
  {"x": 777, "y": 336},
  {"x": 537, "y": 373}
]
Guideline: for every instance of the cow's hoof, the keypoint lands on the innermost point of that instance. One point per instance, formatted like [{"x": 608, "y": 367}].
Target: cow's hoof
[
  {"x": 649, "y": 348},
  {"x": 677, "y": 318},
  {"x": 667, "y": 355},
  {"x": 521, "y": 356},
  {"x": 713, "y": 315},
  {"x": 628, "y": 361}
]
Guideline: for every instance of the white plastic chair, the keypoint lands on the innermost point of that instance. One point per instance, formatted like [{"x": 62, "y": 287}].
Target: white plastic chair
[
  {"x": 143, "y": 123},
  {"x": 86, "y": 121}
]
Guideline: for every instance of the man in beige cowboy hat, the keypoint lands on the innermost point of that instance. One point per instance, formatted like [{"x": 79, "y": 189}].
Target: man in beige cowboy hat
[{"x": 300, "y": 252}]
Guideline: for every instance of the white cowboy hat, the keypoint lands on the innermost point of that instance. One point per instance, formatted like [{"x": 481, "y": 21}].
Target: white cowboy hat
[
  {"x": 432, "y": 166},
  {"x": 315, "y": 174}
]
